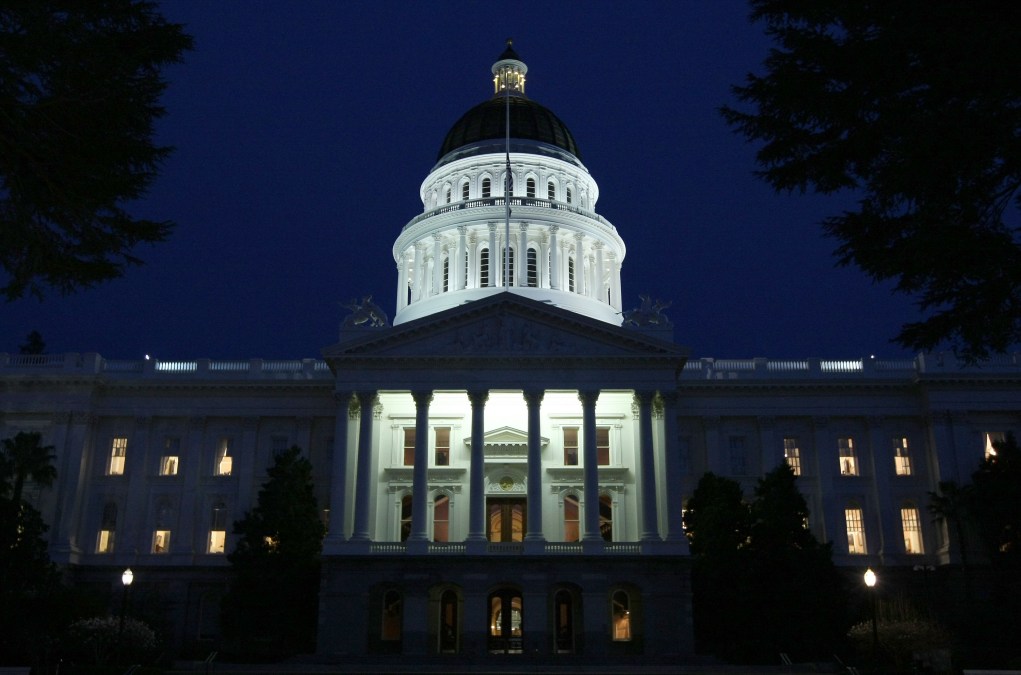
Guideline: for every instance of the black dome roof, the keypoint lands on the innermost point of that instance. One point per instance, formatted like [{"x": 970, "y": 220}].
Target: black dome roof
[{"x": 528, "y": 121}]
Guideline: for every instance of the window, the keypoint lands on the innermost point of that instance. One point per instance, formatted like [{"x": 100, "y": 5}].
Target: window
[
  {"x": 107, "y": 529},
  {"x": 484, "y": 268},
  {"x": 792, "y": 455},
  {"x": 572, "y": 518},
  {"x": 621, "y": 616},
  {"x": 217, "y": 529},
  {"x": 551, "y": 191},
  {"x": 901, "y": 457},
  {"x": 170, "y": 458},
  {"x": 487, "y": 188},
  {"x": 161, "y": 536},
  {"x": 448, "y": 195},
  {"x": 390, "y": 630},
  {"x": 570, "y": 446},
  {"x": 161, "y": 541},
  {"x": 448, "y": 622},
  {"x": 405, "y": 517},
  {"x": 278, "y": 445},
  {"x": 603, "y": 446},
  {"x": 912, "y": 526},
  {"x": 464, "y": 191},
  {"x": 441, "y": 518},
  {"x": 530, "y": 188},
  {"x": 568, "y": 195},
  {"x": 532, "y": 268},
  {"x": 409, "y": 446},
  {"x": 442, "y": 446},
  {"x": 992, "y": 438},
  {"x": 855, "y": 530},
  {"x": 848, "y": 460},
  {"x": 118, "y": 453},
  {"x": 570, "y": 274},
  {"x": 510, "y": 266},
  {"x": 224, "y": 457},
  {"x": 738, "y": 456},
  {"x": 446, "y": 274},
  {"x": 606, "y": 517}
]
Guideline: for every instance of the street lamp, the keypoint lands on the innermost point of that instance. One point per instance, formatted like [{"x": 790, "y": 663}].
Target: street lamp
[
  {"x": 870, "y": 581},
  {"x": 126, "y": 578}
]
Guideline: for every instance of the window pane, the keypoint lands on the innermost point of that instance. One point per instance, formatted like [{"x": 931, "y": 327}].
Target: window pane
[
  {"x": 855, "y": 531},
  {"x": 571, "y": 519},
  {"x": 168, "y": 466},
  {"x": 104, "y": 543},
  {"x": 621, "y": 617},
  {"x": 606, "y": 518},
  {"x": 118, "y": 452},
  {"x": 441, "y": 518},
  {"x": 570, "y": 446},
  {"x": 405, "y": 517},
  {"x": 409, "y": 446},
  {"x": 217, "y": 539},
  {"x": 603, "y": 446},
  {"x": 792, "y": 454},
  {"x": 442, "y": 446},
  {"x": 901, "y": 457},
  {"x": 551, "y": 191},
  {"x": 912, "y": 530},
  {"x": 224, "y": 457},
  {"x": 161, "y": 541},
  {"x": 848, "y": 458}
]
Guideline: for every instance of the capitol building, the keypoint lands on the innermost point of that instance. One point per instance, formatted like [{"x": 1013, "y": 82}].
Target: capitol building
[{"x": 503, "y": 458}]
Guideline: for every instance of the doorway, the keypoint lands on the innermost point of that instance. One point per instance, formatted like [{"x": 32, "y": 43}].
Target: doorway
[
  {"x": 506, "y": 519},
  {"x": 505, "y": 622}
]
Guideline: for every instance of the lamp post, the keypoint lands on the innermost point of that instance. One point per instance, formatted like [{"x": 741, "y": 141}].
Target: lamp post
[
  {"x": 126, "y": 578},
  {"x": 870, "y": 581}
]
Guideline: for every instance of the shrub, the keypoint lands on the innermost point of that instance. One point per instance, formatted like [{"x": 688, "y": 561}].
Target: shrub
[{"x": 95, "y": 641}]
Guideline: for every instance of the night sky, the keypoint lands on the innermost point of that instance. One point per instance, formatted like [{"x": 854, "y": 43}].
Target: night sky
[{"x": 305, "y": 129}]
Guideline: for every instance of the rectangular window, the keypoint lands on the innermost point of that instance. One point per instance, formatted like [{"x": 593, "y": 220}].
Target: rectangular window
[
  {"x": 532, "y": 268},
  {"x": 912, "y": 526},
  {"x": 217, "y": 541},
  {"x": 224, "y": 457},
  {"x": 992, "y": 438},
  {"x": 901, "y": 457},
  {"x": 409, "y": 446},
  {"x": 441, "y": 518},
  {"x": 278, "y": 445},
  {"x": 603, "y": 446},
  {"x": 848, "y": 458},
  {"x": 570, "y": 446},
  {"x": 442, "y": 446},
  {"x": 171, "y": 453},
  {"x": 792, "y": 454},
  {"x": 104, "y": 543},
  {"x": 572, "y": 519},
  {"x": 484, "y": 268},
  {"x": 738, "y": 456},
  {"x": 118, "y": 453},
  {"x": 855, "y": 531},
  {"x": 161, "y": 541}
]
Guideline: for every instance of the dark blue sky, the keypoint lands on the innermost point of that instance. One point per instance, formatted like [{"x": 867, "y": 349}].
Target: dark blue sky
[{"x": 304, "y": 130}]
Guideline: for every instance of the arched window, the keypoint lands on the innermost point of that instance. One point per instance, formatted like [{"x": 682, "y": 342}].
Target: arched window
[
  {"x": 405, "y": 517},
  {"x": 217, "y": 529},
  {"x": 448, "y": 622},
  {"x": 464, "y": 191},
  {"x": 551, "y": 191},
  {"x": 107, "y": 529},
  {"x": 572, "y": 520},
  {"x": 621, "y": 609},
  {"x": 484, "y": 268},
  {"x": 487, "y": 188},
  {"x": 568, "y": 195},
  {"x": 530, "y": 188},
  {"x": 393, "y": 609},
  {"x": 510, "y": 266},
  {"x": 441, "y": 518},
  {"x": 446, "y": 274},
  {"x": 606, "y": 517},
  {"x": 912, "y": 526},
  {"x": 563, "y": 621},
  {"x": 570, "y": 274},
  {"x": 533, "y": 268},
  {"x": 448, "y": 195}
]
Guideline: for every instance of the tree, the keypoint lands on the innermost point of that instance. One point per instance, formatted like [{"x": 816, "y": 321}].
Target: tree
[
  {"x": 80, "y": 84},
  {"x": 913, "y": 107},
  {"x": 24, "y": 458},
  {"x": 33, "y": 344},
  {"x": 271, "y": 608}
]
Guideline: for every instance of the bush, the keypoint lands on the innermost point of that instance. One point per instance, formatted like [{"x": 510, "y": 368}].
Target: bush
[
  {"x": 901, "y": 642},
  {"x": 95, "y": 641}
]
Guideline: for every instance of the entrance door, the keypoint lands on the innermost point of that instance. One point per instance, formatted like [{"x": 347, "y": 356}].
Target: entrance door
[
  {"x": 505, "y": 625},
  {"x": 506, "y": 519}
]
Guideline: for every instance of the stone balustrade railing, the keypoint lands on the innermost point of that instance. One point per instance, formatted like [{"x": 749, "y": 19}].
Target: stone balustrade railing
[{"x": 515, "y": 201}]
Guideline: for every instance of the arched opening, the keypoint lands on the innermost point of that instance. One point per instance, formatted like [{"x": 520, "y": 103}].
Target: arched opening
[
  {"x": 506, "y": 519},
  {"x": 449, "y": 629},
  {"x": 551, "y": 191},
  {"x": 566, "y": 621},
  {"x": 532, "y": 268},
  {"x": 484, "y": 275},
  {"x": 606, "y": 517},
  {"x": 487, "y": 188},
  {"x": 464, "y": 191},
  {"x": 405, "y": 517},
  {"x": 530, "y": 188},
  {"x": 621, "y": 616},
  {"x": 441, "y": 518},
  {"x": 506, "y": 626},
  {"x": 572, "y": 520}
]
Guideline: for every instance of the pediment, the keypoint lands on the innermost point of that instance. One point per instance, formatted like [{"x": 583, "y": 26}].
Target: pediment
[
  {"x": 506, "y": 442},
  {"x": 503, "y": 326}
]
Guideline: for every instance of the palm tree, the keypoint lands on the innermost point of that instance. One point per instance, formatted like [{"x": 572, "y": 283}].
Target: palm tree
[
  {"x": 952, "y": 504},
  {"x": 24, "y": 458}
]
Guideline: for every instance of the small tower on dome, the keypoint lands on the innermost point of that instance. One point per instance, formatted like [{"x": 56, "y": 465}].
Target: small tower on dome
[{"x": 509, "y": 73}]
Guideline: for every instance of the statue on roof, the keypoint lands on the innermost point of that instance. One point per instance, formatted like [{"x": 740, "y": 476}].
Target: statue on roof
[
  {"x": 648, "y": 314},
  {"x": 367, "y": 313}
]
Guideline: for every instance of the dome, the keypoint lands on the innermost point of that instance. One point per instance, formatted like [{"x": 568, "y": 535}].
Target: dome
[{"x": 529, "y": 121}]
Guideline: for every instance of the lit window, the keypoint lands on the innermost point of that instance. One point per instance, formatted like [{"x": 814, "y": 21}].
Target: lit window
[
  {"x": 118, "y": 453},
  {"x": 161, "y": 541},
  {"x": 532, "y": 268},
  {"x": 442, "y": 446},
  {"x": 441, "y": 518},
  {"x": 992, "y": 438},
  {"x": 218, "y": 529},
  {"x": 390, "y": 630},
  {"x": 405, "y": 517},
  {"x": 848, "y": 459},
  {"x": 738, "y": 456},
  {"x": 217, "y": 540},
  {"x": 572, "y": 519},
  {"x": 792, "y": 455},
  {"x": 409, "y": 446},
  {"x": 108, "y": 529},
  {"x": 901, "y": 457},
  {"x": 551, "y": 191},
  {"x": 855, "y": 530},
  {"x": 169, "y": 460},
  {"x": 464, "y": 191},
  {"x": 530, "y": 188},
  {"x": 912, "y": 526},
  {"x": 621, "y": 617},
  {"x": 487, "y": 188},
  {"x": 603, "y": 446},
  {"x": 570, "y": 446},
  {"x": 606, "y": 517},
  {"x": 224, "y": 457}
]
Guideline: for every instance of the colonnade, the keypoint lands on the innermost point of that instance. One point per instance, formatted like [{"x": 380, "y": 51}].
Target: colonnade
[{"x": 646, "y": 472}]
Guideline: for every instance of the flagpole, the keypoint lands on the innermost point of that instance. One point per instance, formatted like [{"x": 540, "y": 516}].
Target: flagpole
[{"x": 506, "y": 185}]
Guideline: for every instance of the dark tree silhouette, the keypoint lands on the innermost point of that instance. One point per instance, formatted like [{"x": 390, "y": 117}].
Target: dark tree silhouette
[
  {"x": 80, "y": 84},
  {"x": 34, "y": 344},
  {"x": 914, "y": 108}
]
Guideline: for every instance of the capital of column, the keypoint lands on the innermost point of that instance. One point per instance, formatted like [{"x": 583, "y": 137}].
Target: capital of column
[
  {"x": 588, "y": 397},
  {"x": 437, "y": 237},
  {"x": 554, "y": 229},
  {"x": 462, "y": 229},
  {"x": 366, "y": 400},
  {"x": 492, "y": 227},
  {"x": 422, "y": 397},
  {"x": 478, "y": 398},
  {"x": 523, "y": 226},
  {"x": 598, "y": 245},
  {"x": 533, "y": 397},
  {"x": 644, "y": 397}
]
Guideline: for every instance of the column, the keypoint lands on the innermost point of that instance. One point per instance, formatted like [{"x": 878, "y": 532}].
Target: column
[
  {"x": 338, "y": 472},
  {"x": 495, "y": 259},
  {"x": 472, "y": 271},
  {"x": 419, "y": 276},
  {"x": 76, "y": 447},
  {"x": 534, "y": 401},
  {"x": 598, "y": 273},
  {"x": 827, "y": 466},
  {"x": 887, "y": 512},
  {"x": 437, "y": 286},
  {"x": 590, "y": 530},
  {"x": 476, "y": 476},
  {"x": 554, "y": 258},
  {"x": 402, "y": 282},
  {"x": 458, "y": 269},
  {"x": 363, "y": 477},
  {"x": 675, "y": 472},
  {"x": 615, "y": 298},
  {"x": 650, "y": 519},
  {"x": 543, "y": 256},
  {"x": 420, "y": 474},
  {"x": 521, "y": 278},
  {"x": 579, "y": 265}
]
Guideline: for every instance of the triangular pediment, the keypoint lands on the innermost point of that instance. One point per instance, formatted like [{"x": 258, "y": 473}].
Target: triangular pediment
[
  {"x": 506, "y": 442},
  {"x": 504, "y": 325}
]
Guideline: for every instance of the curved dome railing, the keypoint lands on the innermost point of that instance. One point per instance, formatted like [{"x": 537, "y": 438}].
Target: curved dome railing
[{"x": 515, "y": 201}]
